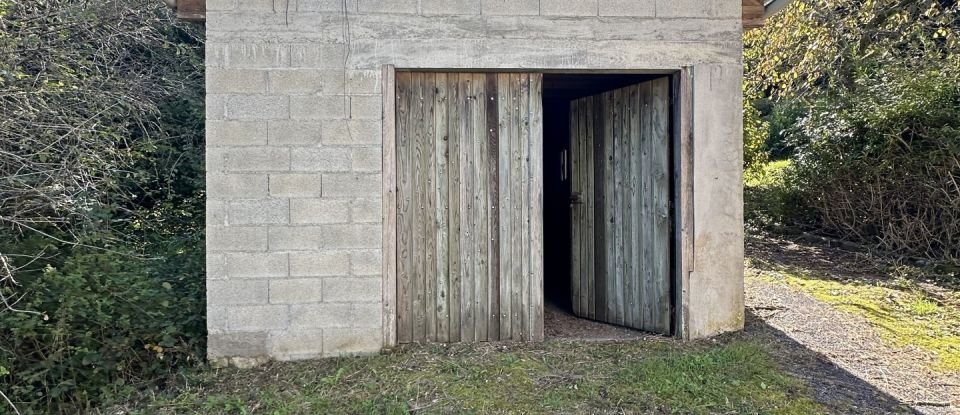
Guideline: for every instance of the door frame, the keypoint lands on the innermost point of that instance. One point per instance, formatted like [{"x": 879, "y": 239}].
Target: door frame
[{"x": 682, "y": 139}]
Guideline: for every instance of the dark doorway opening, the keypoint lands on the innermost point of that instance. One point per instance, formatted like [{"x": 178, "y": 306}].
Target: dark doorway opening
[{"x": 559, "y": 90}]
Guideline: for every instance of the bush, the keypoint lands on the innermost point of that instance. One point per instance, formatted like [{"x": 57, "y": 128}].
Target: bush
[{"x": 772, "y": 197}]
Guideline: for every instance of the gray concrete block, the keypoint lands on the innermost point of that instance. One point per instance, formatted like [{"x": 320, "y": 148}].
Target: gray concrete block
[
  {"x": 303, "y": 344},
  {"x": 346, "y": 342},
  {"x": 296, "y": 291},
  {"x": 510, "y": 7},
  {"x": 222, "y": 186},
  {"x": 363, "y": 82},
  {"x": 215, "y": 107},
  {"x": 220, "y": 5},
  {"x": 295, "y": 81},
  {"x": 216, "y": 265},
  {"x": 329, "y": 159},
  {"x": 294, "y": 133},
  {"x": 331, "y": 315},
  {"x": 388, "y": 6},
  {"x": 698, "y": 8},
  {"x": 320, "y": 237},
  {"x": 258, "y": 212},
  {"x": 216, "y": 319},
  {"x": 366, "y": 211},
  {"x": 352, "y": 290},
  {"x": 367, "y": 262},
  {"x": 236, "y": 81},
  {"x": 312, "y": 107},
  {"x": 352, "y": 185},
  {"x": 249, "y": 344},
  {"x": 234, "y": 238},
  {"x": 326, "y": 5},
  {"x": 366, "y": 159},
  {"x": 257, "y": 107},
  {"x": 366, "y": 107},
  {"x": 261, "y": 5},
  {"x": 352, "y": 132},
  {"x": 258, "y": 317},
  {"x": 635, "y": 8},
  {"x": 257, "y": 265},
  {"x": 216, "y": 211},
  {"x": 252, "y": 55},
  {"x": 255, "y": 159},
  {"x": 229, "y": 292},
  {"x": 446, "y": 7},
  {"x": 317, "y": 264},
  {"x": 236, "y": 133},
  {"x": 295, "y": 185},
  {"x": 568, "y": 7},
  {"x": 319, "y": 211},
  {"x": 318, "y": 55}
]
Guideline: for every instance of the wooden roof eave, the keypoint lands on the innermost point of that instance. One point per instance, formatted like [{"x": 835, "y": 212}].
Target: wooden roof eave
[{"x": 189, "y": 10}]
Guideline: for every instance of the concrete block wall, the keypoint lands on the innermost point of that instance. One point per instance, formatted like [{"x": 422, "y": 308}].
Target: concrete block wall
[{"x": 294, "y": 154}]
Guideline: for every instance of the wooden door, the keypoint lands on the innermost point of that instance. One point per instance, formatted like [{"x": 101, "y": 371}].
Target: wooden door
[
  {"x": 621, "y": 222},
  {"x": 469, "y": 207}
]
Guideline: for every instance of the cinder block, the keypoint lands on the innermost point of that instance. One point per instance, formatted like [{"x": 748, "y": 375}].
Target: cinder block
[
  {"x": 296, "y": 291},
  {"x": 258, "y": 317},
  {"x": 294, "y": 133},
  {"x": 634, "y": 8},
  {"x": 318, "y": 55},
  {"x": 216, "y": 265},
  {"x": 366, "y": 262},
  {"x": 236, "y": 81},
  {"x": 295, "y": 81},
  {"x": 256, "y": 159},
  {"x": 352, "y": 290},
  {"x": 346, "y": 342},
  {"x": 255, "y": 55},
  {"x": 329, "y": 315},
  {"x": 351, "y": 132},
  {"x": 388, "y": 6},
  {"x": 216, "y": 319},
  {"x": 326, "y": 5},
  {"x": 510, "y": 7},
  {"x": 257, "y": 107},
  {"x": 295, "y": 185},
  {"x": 215, "y": 107},
  {"x": 320, "y": 159},
  {"x": 251, "y": 344},
  {"x": 220, "y": 5},
  {"x": 230, "y": 292},
  {"x": 352, "y": 185},
  {"x": 216, "y": 211},
  {"x": 234, "y": 238},
  {"x": 366, "y": 211},
  {"x": 236, "y": 186},
  {"x": 319, "y": 211},
  {"x": 312, "y": 107},
  {"x": 366, "y": 107},
  {"x": 338, "y": 82},
  {"x": 447, "y": 7},
  {"x": 568, "y": 7},
  {"x": 236, "y": 133},
  {"x": 316, "y": 264},
  {"x": 698, "y": 8},
  {"x": 367, "y": 159},
  {"x": 259, "y": 5},
  {"x": 301, "y": 344},
  {"x": 311, "y": 238},
  {"x": 259, "y": 212},
  {"x": 257, "y": 265}
]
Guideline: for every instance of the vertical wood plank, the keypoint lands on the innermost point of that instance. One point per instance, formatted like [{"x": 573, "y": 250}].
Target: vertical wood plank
[
  {"x": 536, "y": 206},
  {"x": 390, "y": 234},
  {"x": 506, "y": 226},
  {"x": 661, "y": 202},
  {"x": 482, "y": 207},
  {"x": 453, "y": 187},
  {"x": 441, "y": 136},
  {"x": 646, "y": 205},
  {"x": 636, "y": 264},
  {"x": 405, "y": 209},
  {"x": 598, "y": 218},
  {"x": 609, "y": 232},
  {"x": 589, "y": 286},
  {"x": 576, "y": 189},
  {"x": 430, "y": 206},
  {"x": 686, "y": 202},
  {"x": 517, "y": 236},
  {"x": 618, "y": 222},
  {"x": 626, "y": 224},
  {"x": 525, "y": 178},
  {"x": 493, "y": 183},
  {"x": 467, "y": 213}
]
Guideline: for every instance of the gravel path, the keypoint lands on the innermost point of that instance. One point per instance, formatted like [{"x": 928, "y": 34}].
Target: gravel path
[{"x": 850, "y": 343}]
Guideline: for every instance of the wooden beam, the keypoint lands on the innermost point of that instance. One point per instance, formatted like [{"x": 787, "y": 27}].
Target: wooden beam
[
  {"x": 389, "y": 90},
  {"x": 753, "y": 14},
  {"x": 192, "y": 10}
]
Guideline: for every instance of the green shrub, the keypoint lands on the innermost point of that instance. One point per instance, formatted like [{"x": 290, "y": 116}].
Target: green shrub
[{"x": 772, "y": 197}]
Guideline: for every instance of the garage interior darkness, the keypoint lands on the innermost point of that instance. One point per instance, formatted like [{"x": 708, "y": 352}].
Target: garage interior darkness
[{"x": 559, "y": 90}]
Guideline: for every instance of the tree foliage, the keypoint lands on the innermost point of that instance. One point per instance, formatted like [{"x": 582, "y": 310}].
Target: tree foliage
[{"x": 101, "y": 200}]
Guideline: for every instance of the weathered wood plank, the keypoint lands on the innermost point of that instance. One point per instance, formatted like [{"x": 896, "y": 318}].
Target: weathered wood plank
[
  {"x": 453, "y": 187},
  {"x": 753, "y": 14},
  {"x": 493, "y": 183},
  {"x": 589, "y": 285},
  {"x": 635, "y": 319},
  {"x": 613, "y": 286},
  {"x": 441, "y": 142},
  {"x": 430, "y": 206},
  {"x": 619, "y": 225},
  {"x": 467, "y": 213},
  {"x": 646, "y": 205},
  {"x": 576, "y": 190},
  {"x": 517, "y": 236},
  {"x": 482, "y": 207},
  {"x": 421, "y": 168},
  {"x": 405, "y": 209},
  {"x": 505, "y": 114},
  {"x": 598, "y": 266},
  {"x": 660, "y": 114},
  {"x": 525, "y": 214},
  {"x": 536, "y": 206},
  {"x": 685, "y": 196},
  {"x": 390, "y": 208}
]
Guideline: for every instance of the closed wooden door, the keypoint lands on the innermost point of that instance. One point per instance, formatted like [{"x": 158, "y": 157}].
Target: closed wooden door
[
  {"x": 620, "y": 206},
  {"x": 469, "y": 203}
]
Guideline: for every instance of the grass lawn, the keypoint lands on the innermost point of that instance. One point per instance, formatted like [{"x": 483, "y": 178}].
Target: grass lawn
[{"x": 735, "y": 374}]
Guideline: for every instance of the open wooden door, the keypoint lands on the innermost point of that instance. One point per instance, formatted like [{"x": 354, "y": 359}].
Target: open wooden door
[
  {"x": 620, "y": 197},
  {"x": 469, "y": 207}
]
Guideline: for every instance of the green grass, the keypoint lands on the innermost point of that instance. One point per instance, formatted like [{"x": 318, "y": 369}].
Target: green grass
[
  {"x": 903, "y": 314},
  {"x": 734, "y": 375}
]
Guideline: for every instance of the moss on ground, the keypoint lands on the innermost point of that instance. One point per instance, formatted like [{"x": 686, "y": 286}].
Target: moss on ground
[
  {"x": 735, "y": 375},
  {"x": 903, "y": 314}
]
